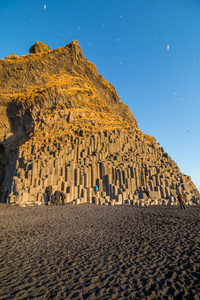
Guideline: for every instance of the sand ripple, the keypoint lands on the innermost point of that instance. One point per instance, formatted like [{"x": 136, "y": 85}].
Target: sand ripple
[{"x": 99, "y": 252}]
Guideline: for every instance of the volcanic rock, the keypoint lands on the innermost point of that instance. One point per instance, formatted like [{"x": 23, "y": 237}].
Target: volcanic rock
[
  {"x": 39, "y": 47},
  {"x": 63, "y": 124},
  {"x": 12, "y": 56}
]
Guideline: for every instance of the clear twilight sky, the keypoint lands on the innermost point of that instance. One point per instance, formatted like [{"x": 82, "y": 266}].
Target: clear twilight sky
[{"x": 148, "y": 49}]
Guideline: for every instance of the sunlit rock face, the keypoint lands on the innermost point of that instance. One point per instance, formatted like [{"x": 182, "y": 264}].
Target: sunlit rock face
[
  {"x": 39, "y": 47},
  {"x": 12, "y": 56},
  {"x": 63, "y": 124}
]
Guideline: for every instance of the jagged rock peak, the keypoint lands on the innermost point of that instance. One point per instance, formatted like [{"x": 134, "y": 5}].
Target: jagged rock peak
[
  {"x": 74, "y": 42},
  {"x": 39, "y": 47}
]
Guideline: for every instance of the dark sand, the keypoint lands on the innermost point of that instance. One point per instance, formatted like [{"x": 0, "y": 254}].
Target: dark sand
[{"x": 99, "y": 252}]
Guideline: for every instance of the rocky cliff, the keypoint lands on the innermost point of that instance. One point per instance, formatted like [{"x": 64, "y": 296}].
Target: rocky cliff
[{"x": 63, "y": 124}]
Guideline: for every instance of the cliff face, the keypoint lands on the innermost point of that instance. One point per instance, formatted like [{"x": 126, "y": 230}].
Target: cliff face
[
  {"x": 62, "y": 76},
  {"x": 62, "y": 123}
]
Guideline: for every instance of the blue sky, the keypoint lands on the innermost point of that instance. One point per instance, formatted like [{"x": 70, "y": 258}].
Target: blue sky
[{"x": 149, "y": 50}]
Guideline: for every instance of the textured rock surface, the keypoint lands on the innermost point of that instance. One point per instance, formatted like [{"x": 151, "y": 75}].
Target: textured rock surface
[
  {"x": 39, "y": 47},
  {"x": 63, "y": 124},
  {"x": 12, "y": 56}
]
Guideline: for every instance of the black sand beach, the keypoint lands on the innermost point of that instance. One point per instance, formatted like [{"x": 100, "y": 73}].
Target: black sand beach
[{"x": 99, "y": 252}]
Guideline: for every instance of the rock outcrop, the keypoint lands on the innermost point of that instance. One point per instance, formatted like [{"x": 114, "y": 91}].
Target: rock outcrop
[
  {"x": 63, "y": 124},
  {"x": 12, "y": 56},
  {"x": 39, "y": 47}
]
